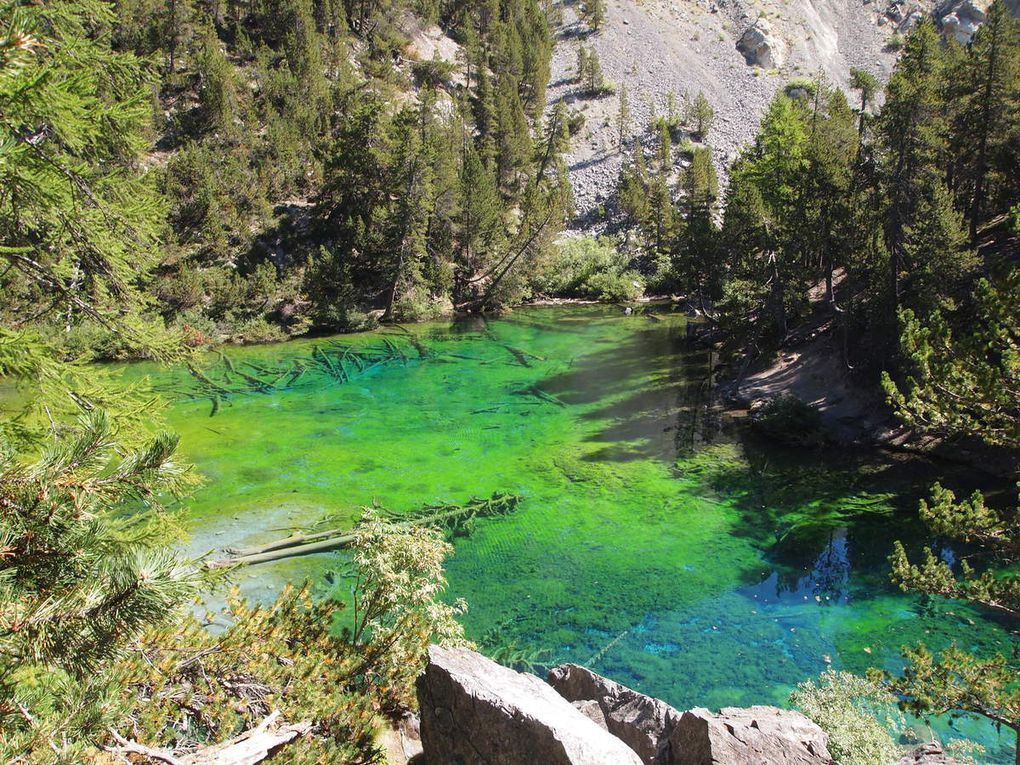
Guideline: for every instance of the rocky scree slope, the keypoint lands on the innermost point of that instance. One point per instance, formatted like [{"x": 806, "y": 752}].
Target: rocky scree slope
[{"x": 737, "y": 52}]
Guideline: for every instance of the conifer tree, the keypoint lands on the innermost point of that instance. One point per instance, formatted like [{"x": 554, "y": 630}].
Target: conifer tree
[
  {"x": 987, "y": 114},
  {"x": 512, "y": 135},
  {"x": 479, "y": 219},
  {"x": 696, "y": 258},
  {"x": 664, "y": 155},
  {"x": 623, "y": 118},
  {"x": 594, "y": 14},
  {"x": 632, "y": 187},
  {"x": 594, "y": 79},
  {"x": 583, "y": 57},
  {"x": 912, "y": 129},
  {"x": 965, "y": 382},
  {"x": 218, "y": 91},
  {"x": 868, "y": 86},
  {"x": 700, "y": 116}
]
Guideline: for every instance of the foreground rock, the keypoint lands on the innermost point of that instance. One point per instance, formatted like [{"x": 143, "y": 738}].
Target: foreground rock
[
  {"x": 475, "y": 712},
  {"x": 750, "y": 736},
  {"x": 641, "y": 722}
]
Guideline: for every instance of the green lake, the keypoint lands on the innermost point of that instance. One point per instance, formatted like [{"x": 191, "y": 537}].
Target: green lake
[{"x": 657, "y": 541}]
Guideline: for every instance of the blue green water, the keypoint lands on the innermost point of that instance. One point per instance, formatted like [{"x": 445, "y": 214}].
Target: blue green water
[{"x": 657, "y": 542}]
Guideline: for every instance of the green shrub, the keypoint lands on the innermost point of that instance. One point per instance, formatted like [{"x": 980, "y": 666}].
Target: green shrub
[
  {"x": 616, "y": 287},
  {"x": 575, "y": 122},
  {"x": 788, "y": 419},
  {"x": 856, "y": 713},
  {"x": 586, "y": 267},
  {"x": 418, "y": 305},
  {"x": 198, "y": 329},
  {"x": 257, "y": 330},
  {"x": 801, "y": 86}
]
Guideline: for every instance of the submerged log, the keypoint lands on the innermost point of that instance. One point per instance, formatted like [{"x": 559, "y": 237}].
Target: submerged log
[{"x": 453, "y": 518}]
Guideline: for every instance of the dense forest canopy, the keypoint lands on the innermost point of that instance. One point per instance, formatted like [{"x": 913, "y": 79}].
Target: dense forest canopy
[{"x": 285, "y": 165}]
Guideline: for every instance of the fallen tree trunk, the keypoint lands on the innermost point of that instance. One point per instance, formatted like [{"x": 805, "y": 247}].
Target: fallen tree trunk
[
  {"x": 454, "y": 518},
  {"x": 250, "y": 747}
]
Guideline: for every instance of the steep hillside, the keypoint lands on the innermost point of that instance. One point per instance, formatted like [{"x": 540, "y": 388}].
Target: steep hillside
[{"x": 655, "y": 47}]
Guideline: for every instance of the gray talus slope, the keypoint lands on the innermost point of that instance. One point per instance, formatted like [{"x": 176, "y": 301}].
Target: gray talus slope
[{"x": 685, "y": 46}]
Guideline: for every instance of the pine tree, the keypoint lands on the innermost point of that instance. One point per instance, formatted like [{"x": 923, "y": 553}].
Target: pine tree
[
  {"x": 664, "y": 155},
  {"x": 623, "y": 119},
  {"x": 632, "y": 187},
  {"x": 992, "y": 76},
  {"x": 594, "y": 79},
  {"x": 218, "y": 89},
  {"x": 696, "y": 260},
  {"x": 479, "y": 220},
  {"x": 700, "y": 116},
  {"x": 81, "y": 580},
  {"x": 79, "y": 221},
  {"x": 512, "y": 135},
  {"x": 583, "y": 57},
  {"x": 936, "y": 243},
  {"x": 965, "y": 382},
  {"x": 868, "y": 86},
  {"x": 594, "y": 14},
  {"x": 557, "y": 139},
  {"x": 826, "y": 199},
  {"x": 912, "y": 130}
]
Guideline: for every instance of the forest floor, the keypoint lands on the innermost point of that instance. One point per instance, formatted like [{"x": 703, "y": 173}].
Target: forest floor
[{"x": 812, "y": 365}]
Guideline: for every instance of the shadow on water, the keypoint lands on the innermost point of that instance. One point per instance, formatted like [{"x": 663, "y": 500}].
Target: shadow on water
[{"x": 665, "y": 411}]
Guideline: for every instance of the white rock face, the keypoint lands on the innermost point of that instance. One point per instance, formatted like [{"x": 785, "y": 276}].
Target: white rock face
[
  {"x": 960, "y": 19},
  {"x": 476, "y": 712},
  {"x": 761, "y": 47}
]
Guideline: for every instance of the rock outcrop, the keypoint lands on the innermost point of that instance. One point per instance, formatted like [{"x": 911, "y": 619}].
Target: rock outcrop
[
  {"x": 475, "y": 712},
  {"x": 761, "y": 47},
  {"x": 748, "y": 737},
  {"x": 641, "y": 722},
  {"x": 960, "y": 19}
]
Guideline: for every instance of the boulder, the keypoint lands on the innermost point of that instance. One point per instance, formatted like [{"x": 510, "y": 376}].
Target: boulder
[
  {"x": 960, "y": 19},
  {"x": 475, "y": 712},
  {"x": 760, "y": 47},
  {"x": 748, "y": 737},
  {"x": 641, "y": 722},
  {"x": 927, "y": 754}
]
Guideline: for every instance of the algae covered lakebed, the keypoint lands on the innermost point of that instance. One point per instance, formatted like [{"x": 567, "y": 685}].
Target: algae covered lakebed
[{"x": 655, "y": 542}]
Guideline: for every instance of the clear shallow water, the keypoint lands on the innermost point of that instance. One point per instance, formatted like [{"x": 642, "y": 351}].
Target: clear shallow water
[{"x": 655, "y": 543}]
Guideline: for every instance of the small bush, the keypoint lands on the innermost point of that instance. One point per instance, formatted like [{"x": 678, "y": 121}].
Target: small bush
[
  {"x": 586, "y": 267},
  {"x": 418, "y": 305},
  {"x": 895, "y": 42},
  {"x": 615, "y": 287},
  {"x": 575, "y": 122},
  {"x": 790, "y": 420},
  {"x": 856, "y": 713},
  {"x": 800, "y": 87},
  {"x": 257, "y": 330}
]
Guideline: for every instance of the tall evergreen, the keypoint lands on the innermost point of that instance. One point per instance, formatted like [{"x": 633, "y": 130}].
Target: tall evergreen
[
  {"x": 912, "y": 131},
  {"x": 988, "y": 114},
  {"x": 696, "y": 254}
]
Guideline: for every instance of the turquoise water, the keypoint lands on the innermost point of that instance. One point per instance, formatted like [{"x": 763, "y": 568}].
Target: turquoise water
[{"x": 657, "y": 541}]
